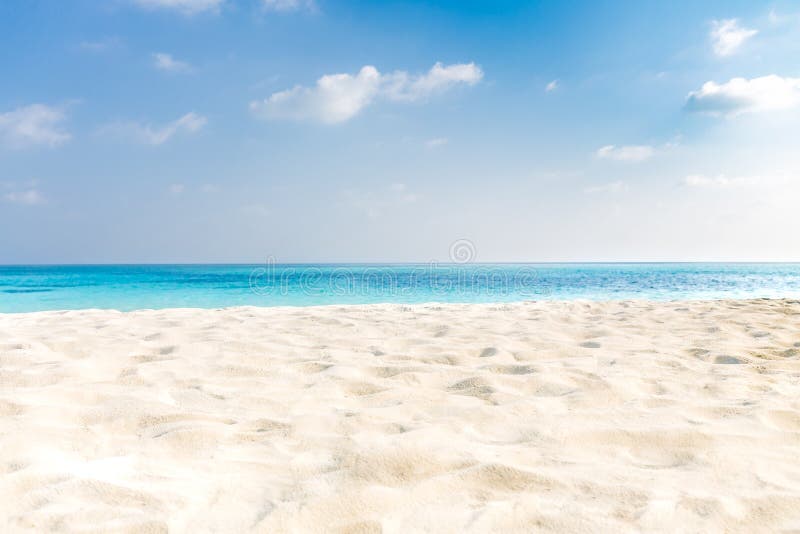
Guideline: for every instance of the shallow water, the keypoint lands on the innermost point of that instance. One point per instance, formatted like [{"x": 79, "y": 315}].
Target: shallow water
[{"x": 128, "y": 287}]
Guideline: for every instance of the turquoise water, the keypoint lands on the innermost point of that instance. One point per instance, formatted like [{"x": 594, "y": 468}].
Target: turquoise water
[{"x": 130, "y": 287}]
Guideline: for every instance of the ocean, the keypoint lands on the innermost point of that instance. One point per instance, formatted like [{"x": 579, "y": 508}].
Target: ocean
[{"x": 28, "y": 288}]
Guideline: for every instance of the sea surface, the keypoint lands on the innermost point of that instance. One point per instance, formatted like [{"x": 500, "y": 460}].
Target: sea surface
[{"x": 26, "y": 288}]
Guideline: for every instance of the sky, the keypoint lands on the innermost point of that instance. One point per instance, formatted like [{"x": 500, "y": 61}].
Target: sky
[{"x": 217, "y": 131}]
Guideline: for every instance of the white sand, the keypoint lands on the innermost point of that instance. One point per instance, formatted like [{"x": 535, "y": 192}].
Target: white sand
[{"x": 542, "y": 416}]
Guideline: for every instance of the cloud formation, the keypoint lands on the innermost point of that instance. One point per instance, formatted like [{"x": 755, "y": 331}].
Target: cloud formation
[
  {"x": 28, "y": 197},
  {"x": 625, "y": 153},
  {"x": 436, "y": 142},
  {"x": 335, "y": 98},
  {"x": 727, "y": 36},
  {"x": 399, "y": 85},
  {"x": 187, "y": 7},
  {"x": 550, "y": 87},
  {"x": 339, "y": 97},
  {"x": 288, "y": 5},
  {"x": 36, "y": 124},
  {"x": 740, "y": 95},
  {"x": 152, "y": 135},
  {"x": 165, "y": 62}
]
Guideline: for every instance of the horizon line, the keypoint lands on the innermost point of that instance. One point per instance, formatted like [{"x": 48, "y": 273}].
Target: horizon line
[{"x": 390, "y": 263}]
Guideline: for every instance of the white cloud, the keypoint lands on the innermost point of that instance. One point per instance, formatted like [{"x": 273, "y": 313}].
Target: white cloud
[
  {"x": 288, "y": 5},
  {"x": 399, "y": 85},
  {"x": 339, "y": 97},
  {"x": 187, "y": 7},
  {"x": 189, "y": 123},
  {"x": 719, "y": 181},
  {"x": 626, "y": 153},
  {"x": 437, "y": 142},
  {"x": 151, "y": 135},
  {"x": 779, "y": 19},
  {"x": 166, "y": 62},
  {"x": 29, "y": 197},
  {"x": 740, "y": 95},
  {"x": 612, "y": 187},
  {"x": 35, "y": 124},
  {"x": 552, "y": 86},
  {"x": 177, "y": 189},
  {"x": 335, "y": 98},
  {"x": 727, "y": 36}
]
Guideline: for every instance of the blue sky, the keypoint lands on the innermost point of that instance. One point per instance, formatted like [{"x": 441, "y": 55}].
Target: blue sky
[{"x": 234, "y": 130}]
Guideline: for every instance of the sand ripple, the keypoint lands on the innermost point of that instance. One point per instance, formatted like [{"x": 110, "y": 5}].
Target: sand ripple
[{"x": 563, "y": 416}]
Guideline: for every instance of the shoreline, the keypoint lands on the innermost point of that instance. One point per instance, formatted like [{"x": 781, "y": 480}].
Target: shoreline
[
  {"x": 430, "y": 304},
  {"x": 539, "y": 415}
]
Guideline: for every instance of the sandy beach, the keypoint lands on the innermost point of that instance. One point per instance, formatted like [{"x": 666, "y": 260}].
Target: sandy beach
[{"x": 560, "y": 416}]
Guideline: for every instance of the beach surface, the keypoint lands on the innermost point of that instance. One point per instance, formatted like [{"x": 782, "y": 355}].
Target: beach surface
[{"x": 548, "y": 416}]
